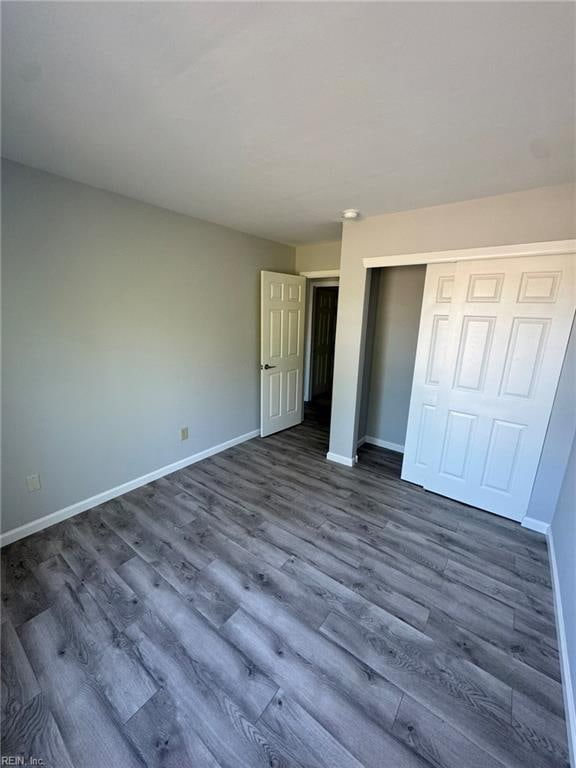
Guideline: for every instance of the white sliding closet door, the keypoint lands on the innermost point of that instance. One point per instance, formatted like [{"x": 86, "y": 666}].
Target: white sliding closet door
[
  {"x": 429, "y": 371},
  {"x": 492, "y": 340}
]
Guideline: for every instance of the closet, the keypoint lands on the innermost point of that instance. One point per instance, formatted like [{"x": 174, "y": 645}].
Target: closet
[
  {"x": 491, "y": 343},
  {"x": 395, "y": 303}
]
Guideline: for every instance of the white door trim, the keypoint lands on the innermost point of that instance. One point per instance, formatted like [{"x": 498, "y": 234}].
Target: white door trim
[
  {"x": 321, "y": 273},
  {"x": 549, "y": 248}
]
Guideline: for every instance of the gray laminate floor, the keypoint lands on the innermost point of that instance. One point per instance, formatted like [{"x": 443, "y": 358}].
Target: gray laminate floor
[{"x": 267, "y": 608}]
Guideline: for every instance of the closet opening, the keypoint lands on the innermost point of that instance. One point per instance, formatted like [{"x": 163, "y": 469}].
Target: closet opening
[{"x": 395, "y": 304}]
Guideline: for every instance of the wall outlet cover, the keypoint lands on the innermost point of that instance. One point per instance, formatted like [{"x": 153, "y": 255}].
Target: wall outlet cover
[
  {"x": 184, "y": 433},
  {"x": 33, "y": 482}
]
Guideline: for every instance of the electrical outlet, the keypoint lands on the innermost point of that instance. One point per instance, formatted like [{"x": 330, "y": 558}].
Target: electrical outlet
[
  {"x": 183, "y": 433},
  {"x": 33, "y": 482}
]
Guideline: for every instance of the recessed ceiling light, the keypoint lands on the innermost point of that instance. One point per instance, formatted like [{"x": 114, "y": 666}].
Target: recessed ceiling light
[{"x": 350, "y": 213}]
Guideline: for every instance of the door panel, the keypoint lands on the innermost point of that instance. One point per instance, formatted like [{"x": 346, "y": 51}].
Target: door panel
[
  {"x": 487, "y": 404},
  {"x": 292, "y": 391},
  {"x": 457, "y": 439},
  {"x": 502, "y": 455},
  {"x": 282, "y": 356},
  {"x": 274, "y": 395},
  {"x": 293, "y": 333},
  {"x": 473, "y": 352},
  {"x": 524, "y": 356},
  {"x": 438, "y": 346},
  {"x": 275, "y": 344},
  {"x": 425, "y": 444}
]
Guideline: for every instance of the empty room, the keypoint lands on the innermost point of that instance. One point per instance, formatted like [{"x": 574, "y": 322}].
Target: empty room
[{"x": 288, "y": 424}]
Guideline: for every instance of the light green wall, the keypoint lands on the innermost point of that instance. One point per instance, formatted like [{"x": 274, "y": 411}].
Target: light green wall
[
  {"x": 318, "y": 256},
  {"x": 122, "y": 322}
]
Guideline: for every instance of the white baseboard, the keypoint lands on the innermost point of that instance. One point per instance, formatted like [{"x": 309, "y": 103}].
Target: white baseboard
[
  {"x": 381, "y": 443},
  {"x": 81, "y": 506},
  {"x": 345, "y": 460},
  {"x": 535, "y": 525},
  {"x": 568, "y": 690}
]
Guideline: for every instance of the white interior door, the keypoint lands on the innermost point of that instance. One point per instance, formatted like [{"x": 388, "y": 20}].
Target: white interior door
[
  {"x": 283, "y": 301},
  {"x": 429, "y": 370},
  {"x": 488, "y": 362}
]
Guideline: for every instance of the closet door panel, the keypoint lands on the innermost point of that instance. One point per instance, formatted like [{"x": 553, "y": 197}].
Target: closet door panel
[
  {"x": 505, "y": 339},
  {"x": 429, "y": 371}
]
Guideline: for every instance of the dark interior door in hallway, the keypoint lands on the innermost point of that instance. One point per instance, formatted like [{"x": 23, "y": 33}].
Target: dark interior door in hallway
[{"x": 323, "y": 340}]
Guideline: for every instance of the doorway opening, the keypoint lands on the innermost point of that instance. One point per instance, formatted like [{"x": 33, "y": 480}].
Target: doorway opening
[
  {"x": 395, "y": 304},
  {"x": 321, "y": 343}
]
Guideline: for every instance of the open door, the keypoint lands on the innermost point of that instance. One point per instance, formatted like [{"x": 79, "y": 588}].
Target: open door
[{"x": 283, "y": 301}]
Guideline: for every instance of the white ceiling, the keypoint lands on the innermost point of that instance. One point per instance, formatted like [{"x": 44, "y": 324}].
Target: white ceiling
[{"x": 272, "y": 117}]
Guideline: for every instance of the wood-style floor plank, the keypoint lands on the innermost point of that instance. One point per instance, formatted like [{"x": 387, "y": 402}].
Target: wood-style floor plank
[
  {"x": 22, "y": 595},
  {"x": 539, "y": 730},
  {"x": 19, "y": 684},
  {"x": 265, "y": 607},
  {"x": 91, "y": 730},
  {"x": 110, "y": 548},
  {"x": 231, "y": 670},
  {"x": 222, "y": 726},
  {"x": 113, "y": 595},
  {"x": 513, "y": 596},
  {"x": 162, "y": 736},
  {"x": 289, "y": 724},
  {"x": 31, "y": 734},
  {"x": 436, "y": 741},
  {"x": 521, "y": 674},
  {"x": 102, "y": 652},
  {"x": 472, "y": 701},
  {"x": 339, "y": 714}
]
